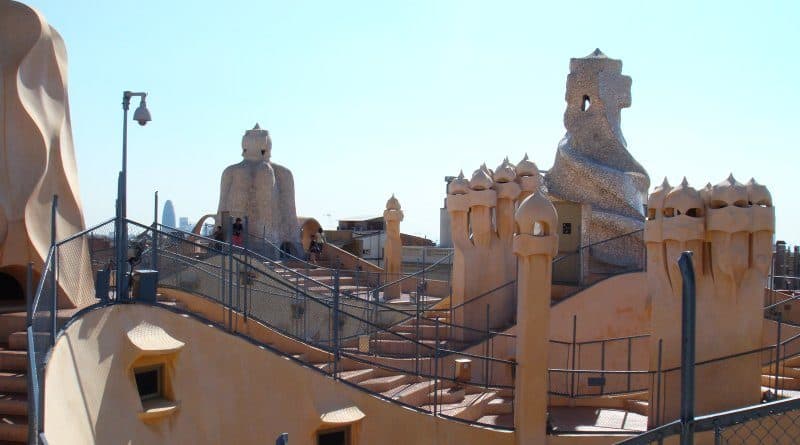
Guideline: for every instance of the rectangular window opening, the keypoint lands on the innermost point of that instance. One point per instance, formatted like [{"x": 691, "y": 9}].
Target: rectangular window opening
[
  {"x": 339, "y": 436},
  {"x": 149, "y": 382}
]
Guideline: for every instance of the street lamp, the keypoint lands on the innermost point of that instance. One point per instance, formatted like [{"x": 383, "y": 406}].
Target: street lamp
[{"x": 142, "y": 116}]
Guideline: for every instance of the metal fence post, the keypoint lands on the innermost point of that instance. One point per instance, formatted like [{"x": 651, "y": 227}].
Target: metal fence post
[
  {"x": 435, "y": 364},
  {"x": 486, "y": 352},
  {"x": 54, "y": 260},
  {"x": 658, "y": 385},
  {"x": 154, "y": 247},
  {"x": 29, "y": 295},
  {"x": 229, "y": 237},
  {"x": 688, "y": 327},
  {"x": 778, "y": 355},
  {"x": 572, "y": 374},
  {"x": 335, "y": 322}
]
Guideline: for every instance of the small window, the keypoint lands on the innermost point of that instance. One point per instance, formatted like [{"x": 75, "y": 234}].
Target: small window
[
  {"x": 334, "y": 437},
  {"x": 149, "y": 382}
]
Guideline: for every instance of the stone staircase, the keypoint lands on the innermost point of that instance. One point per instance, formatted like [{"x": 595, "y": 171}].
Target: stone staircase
[
  {"x": 465, "y": 402},
  {"x": 788, "y": 377},
  {"x": 14, "y": 389}
]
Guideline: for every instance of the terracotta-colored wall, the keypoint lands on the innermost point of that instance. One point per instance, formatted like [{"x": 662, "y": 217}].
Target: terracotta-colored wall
[{"x": 229, "y": 390}]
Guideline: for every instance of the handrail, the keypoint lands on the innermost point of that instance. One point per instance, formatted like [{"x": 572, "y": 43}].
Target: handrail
[
  {"x": 793, "y": 297},
  {"x": 580, "y": 248},
  {"x": 40, "y": 286},
  {"x": 415, "y": 274},
  {"x": 84, "y": 232},
  {"x": 483, "y": 294}
]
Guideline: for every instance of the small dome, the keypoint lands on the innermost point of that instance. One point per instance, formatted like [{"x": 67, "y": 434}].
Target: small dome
[
  {"x": 683, "y": 200},
  {"x": 481, "y": 179},
  {"x": 526, "y": 167},
  {"x": 505, "y": 172},
  {"x": 758, "y": 194},
  {"x": 729, "y": 192},
  {"x": 458, "y": 186},
  {"x": 392, "y": 203},
  {"x": 536, "y": 208}
]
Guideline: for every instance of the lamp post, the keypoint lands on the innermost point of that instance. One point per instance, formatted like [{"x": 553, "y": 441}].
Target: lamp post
[{"x": 142, "y": 116}]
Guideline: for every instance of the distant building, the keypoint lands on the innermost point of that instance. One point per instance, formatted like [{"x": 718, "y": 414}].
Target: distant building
[
  {"x": 184, "y": 224},
  {"x": 168, "y": 215}
]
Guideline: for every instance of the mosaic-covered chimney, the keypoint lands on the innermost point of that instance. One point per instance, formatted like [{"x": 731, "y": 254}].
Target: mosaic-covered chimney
[{"x": 593, "y": 164}]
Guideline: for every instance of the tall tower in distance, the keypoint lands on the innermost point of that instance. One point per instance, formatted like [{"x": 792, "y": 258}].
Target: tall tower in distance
[{"x": 168, "y": 215}]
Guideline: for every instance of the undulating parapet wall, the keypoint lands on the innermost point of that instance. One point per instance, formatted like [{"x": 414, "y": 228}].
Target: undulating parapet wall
[
  {"x": 593, "y": 165},
  {"x": 36, "y": 153},
  {"x": 729, "y": 229},
  {"x": 218, "y": 389}
]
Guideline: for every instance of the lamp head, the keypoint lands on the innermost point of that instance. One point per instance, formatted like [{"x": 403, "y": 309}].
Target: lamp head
[{"x": 142, "y": 114}]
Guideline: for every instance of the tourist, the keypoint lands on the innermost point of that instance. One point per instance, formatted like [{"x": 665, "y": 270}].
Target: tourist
[
  {"x": 238, "y": 228},
  {"x": 218, "y": 236},
  {"x": 316, "y": 246}
]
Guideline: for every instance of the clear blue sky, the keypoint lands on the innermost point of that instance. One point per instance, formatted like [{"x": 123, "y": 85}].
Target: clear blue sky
[{"x": 365, "y": 99}]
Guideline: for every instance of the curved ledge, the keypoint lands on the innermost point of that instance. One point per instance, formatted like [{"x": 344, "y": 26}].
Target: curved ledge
[
  {"x": 344, "y": 416},
  {"x": 155, "y": 409},
  {"x": 150, "y": 339}
]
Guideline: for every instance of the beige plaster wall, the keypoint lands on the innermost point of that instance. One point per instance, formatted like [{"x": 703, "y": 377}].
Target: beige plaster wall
[
  {"x": 229, "y": 390},
  {"x": 616, "y": 307},
  {"x": 36, "y": 152}
]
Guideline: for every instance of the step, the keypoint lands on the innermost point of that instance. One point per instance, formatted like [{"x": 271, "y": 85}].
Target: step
[
  {"x": 13, "y": 429},
  {"x": 793, "y": 362},
  {"x": 344, "y": 365},
  {"x": 470, "y": 408},
  {"x": 14, "y": 404},
  {"x": 18, "y": 341},
  {"x": 13, "y": 360},
  {"x": 425, "y": 331},
  {"x": 405, "y": 347},
  {"x": 503, "y": 420},
  {"x": 449, "y": 395},
  {"x": 382, "y": 384},
  {"x": 416, "y": 394},
  {"x": 499, "y": 405},
  {"x": 638, "y": 406},
  {"x": 357, "y": 375},
  {"x": 783, "y": 382},
  {"x": 13, "y": 382}
]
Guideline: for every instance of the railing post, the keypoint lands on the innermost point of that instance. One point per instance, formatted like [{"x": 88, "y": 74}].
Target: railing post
[
  {"x": 687, "y": 348},
  {"x": 572, "y": 374},
  {"x": 33, "y": 405},
  {"x": 247, "y": 283},
  {"x": 417, "y": 338},
  {"x": 29, "y": 295},
  {"x": 435, "y": 365},
  {"x": 629, "y": 363},
  {"x": 778, "y": 355},
  {"x": 658, "y": 384},
  {"x": 603, "y": 367},
  {"x": 54, "y": 261},
  {"x": 154, "y": 247},
  {"x": 335, "y": 322},
  {"x": 486, "y": 352},
  {"x": 230, "y": 272}
]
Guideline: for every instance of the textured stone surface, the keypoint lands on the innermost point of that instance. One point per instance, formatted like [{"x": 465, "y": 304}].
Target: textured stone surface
[
  {"x": 593, "y": 164},
  {"x": 261, "y": 190}
]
